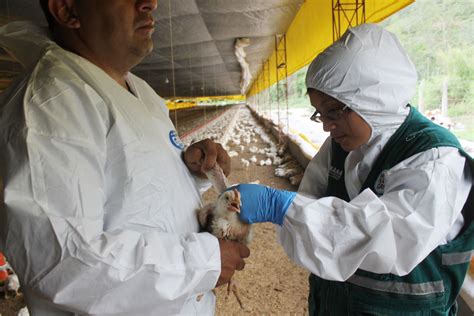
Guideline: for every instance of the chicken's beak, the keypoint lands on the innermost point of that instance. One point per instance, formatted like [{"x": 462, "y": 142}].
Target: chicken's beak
[
  {"x": 234, "y": 207},
  {"x": 237, "y": 206},
  {"x": 235, "y": 203}
]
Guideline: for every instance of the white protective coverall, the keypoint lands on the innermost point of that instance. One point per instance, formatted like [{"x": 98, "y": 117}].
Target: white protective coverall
[
  {"x": 99, "y": 215},
  {"x": 420, "y": 208}
]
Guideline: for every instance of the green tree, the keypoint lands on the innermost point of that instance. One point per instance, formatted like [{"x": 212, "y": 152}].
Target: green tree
[{"x": 439, "y": 38}]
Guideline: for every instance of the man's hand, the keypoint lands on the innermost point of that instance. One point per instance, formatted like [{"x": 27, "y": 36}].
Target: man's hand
[
  {"x": 232, "y": 258},
  {"x": 200, "y": 157}
]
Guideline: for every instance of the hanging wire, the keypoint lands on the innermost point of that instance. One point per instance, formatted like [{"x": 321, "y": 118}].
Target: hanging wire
[
  {"x": 215, "y": 81},
  {"x": 266, "y": 87},
  {"x": 172, "y": 67},
  {"x": 191, "y": 77},
  {"x": 203, "y": 87},
  {"x": 215, "y": 89},
  {"x": 8, "y": 10}
]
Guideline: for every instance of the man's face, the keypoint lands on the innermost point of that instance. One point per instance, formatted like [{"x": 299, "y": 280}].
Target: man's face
[
  {"x": 349, "y": 129},
  {"x": 118, "y": 30}
]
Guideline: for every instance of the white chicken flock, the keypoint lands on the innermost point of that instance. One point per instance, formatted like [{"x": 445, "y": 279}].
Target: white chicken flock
[{"x": 237, "y": 130}]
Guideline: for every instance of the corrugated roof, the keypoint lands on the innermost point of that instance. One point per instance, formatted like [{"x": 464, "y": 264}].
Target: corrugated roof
[{"x": 204, "y": 33}]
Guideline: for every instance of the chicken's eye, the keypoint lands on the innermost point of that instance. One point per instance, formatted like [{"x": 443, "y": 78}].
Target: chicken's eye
[{"x": 227, "y": 198}]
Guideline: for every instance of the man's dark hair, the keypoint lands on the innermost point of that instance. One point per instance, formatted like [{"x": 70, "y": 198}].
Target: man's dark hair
[{"x": 47, "y": 14}]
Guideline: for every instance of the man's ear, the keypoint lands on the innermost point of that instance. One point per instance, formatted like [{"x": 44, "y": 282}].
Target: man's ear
[{"x": 64, "y": 12}]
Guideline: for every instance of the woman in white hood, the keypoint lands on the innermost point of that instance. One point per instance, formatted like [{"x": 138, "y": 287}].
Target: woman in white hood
[{"x": 383, "y": 216}]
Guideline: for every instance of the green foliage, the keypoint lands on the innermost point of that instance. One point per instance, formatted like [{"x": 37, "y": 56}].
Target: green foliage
[
  {"x": 438, "y": 36},
  {"x": 467, "y": 134},
  {"x": 296, "y": 83},
  {"x": 432, "y": 92}
]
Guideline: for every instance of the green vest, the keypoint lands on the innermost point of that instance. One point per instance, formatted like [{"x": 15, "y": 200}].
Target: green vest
[{"x": 432, "y": 287}]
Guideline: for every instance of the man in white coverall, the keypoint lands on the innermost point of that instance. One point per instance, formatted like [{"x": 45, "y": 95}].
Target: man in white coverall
[
  {"x": 99, "y": 208},
  {"x": 383, "y": 216}
]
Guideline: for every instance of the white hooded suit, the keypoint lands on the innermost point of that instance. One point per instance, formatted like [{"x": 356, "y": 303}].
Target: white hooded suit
[{"x": 420, "y": 207}]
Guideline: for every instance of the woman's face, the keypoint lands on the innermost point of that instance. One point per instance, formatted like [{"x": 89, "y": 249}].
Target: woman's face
[{"x": 346, "y": 127}]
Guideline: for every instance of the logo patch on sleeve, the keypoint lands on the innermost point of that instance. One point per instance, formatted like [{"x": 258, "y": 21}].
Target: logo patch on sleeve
[{"x": 175, "y": 140}]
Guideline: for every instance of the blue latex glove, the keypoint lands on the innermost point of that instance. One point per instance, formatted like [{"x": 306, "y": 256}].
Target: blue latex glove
[{"x": 263, "y": 204}]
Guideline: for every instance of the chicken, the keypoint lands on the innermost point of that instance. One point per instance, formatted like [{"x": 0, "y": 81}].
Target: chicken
[
  {"x": 12, "y": 285},
  {"x": 245, "y": 163},
  {"x": 221, "y": 219}
]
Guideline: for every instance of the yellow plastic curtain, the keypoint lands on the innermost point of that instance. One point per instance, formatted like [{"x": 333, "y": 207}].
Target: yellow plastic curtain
[{"x": 312, "y": 31}]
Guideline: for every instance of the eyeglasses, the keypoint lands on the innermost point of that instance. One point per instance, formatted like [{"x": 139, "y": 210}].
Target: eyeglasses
[{"x": 332, "y": 115}]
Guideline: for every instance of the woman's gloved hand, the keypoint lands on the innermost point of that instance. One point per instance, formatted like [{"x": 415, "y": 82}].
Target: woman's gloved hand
[{"x": 263, "y": 204}]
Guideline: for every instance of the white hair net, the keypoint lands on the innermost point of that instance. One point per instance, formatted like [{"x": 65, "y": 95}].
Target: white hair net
[{"x": 368, "y": 70}]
